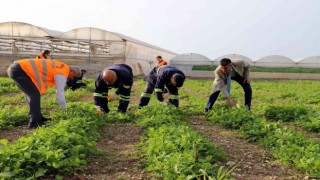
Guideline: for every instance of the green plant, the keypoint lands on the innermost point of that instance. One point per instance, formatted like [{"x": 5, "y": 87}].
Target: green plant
[{"x": 285, "y": 113}]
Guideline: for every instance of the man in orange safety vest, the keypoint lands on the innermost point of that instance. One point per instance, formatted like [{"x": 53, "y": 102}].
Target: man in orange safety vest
[{"x": 34, "y": 77}]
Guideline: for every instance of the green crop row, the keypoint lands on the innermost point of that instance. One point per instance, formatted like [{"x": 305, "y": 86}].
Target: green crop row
[
  {"x": 58, "y": 149},
  {"x": 12, "y": 116},
  {"x": 305, "y": 117},
  {"x": 7, "y": 86},
  {"x": 290, "y": 147},
  {"x": 172, "y": 150}
]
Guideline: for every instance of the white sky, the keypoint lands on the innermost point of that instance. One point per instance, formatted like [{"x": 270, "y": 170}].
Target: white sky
[{"x": 254, "y": 28}]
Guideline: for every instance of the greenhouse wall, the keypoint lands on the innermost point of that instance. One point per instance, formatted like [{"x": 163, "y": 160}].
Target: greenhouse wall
[
  {"x": 143, "y": 58},
  {"x": 309, "y": 62}
]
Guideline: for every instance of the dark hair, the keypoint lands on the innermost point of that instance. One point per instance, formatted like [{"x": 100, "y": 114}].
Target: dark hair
[
  {"x": 225, "y": 62},
  {"x": 46, "y": 52},
  {"x": 83, "y": 71},
  {"x": 178, "y": 79},
  {"x": 159, "y": 57}
]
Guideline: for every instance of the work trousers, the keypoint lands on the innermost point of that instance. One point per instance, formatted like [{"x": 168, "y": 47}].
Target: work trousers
[{"x": 31, "y": 92}]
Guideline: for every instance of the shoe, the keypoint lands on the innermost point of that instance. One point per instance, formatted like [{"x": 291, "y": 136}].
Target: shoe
[
  {"x": 44, "y": 119},
  {"x": 206, "y": 110},
  {"x": 33, "y": 125}
]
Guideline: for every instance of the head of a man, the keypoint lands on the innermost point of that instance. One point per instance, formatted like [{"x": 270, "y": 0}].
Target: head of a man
[
  {"x": 74, "y": 72},
  {"x": 109, "y": 77},
  {"x": 177, "y": 80},
  {"x": 46, "y": 54},
  {"x": 225, "y": 65},
  {"x": 159, "y": 58},
  {"x": 83, "y": 72}
]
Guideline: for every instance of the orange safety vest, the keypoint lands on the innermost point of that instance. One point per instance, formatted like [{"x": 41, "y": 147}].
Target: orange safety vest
[
  {"x": 42, "y": 71},
  {"x": 161, "y": 63},
  {"x": 40, "y": 56}
]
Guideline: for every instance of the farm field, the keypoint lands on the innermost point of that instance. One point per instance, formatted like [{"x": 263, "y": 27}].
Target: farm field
[{"x": 278, "y": 139}]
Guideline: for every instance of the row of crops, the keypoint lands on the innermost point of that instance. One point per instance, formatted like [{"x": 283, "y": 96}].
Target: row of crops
[{"x": 169, "y": 148}]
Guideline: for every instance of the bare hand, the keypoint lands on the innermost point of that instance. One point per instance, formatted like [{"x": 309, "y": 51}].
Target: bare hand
[
  {"x": 247, "y": 81},
  {"x": 232, "y": 102}
]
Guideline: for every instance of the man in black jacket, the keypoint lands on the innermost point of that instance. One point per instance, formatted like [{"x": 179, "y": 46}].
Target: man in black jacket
[
  {"x": 115, "y": 76},
  {"x": 77, "y": 82},
  {"x": 168, "y": 76}
]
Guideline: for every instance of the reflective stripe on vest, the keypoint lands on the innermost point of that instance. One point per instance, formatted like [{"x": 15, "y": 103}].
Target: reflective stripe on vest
[
  {"x": 36, "y": 73},
  {"x": 174, "y": 97}
]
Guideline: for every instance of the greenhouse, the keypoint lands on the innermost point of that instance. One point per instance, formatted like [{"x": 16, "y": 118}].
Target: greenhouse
[
  {"x": 275, "y": 61},
  {"x": 309, "y": 62},
  {"x": 190, "y": 61},
  {"x": 90, "y": 48},
  {"x": 233, "y": 57}
]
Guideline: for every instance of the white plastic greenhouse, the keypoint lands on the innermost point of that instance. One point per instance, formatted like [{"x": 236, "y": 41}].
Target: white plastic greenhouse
[
  {"x": 309, "y": 62},
  {"x": 185, "y": 62},
  {"x": 275, "y": 61},
  {"x": 88, "y": 47},
  {"x": 233, "y": 57}
]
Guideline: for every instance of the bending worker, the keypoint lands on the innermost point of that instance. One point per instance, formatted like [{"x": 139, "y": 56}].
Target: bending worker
[
  {"x": 227, "y": 70},
  {"x": 34, "y": 77},
  {"x": 77, "y": 82},
  {"x": 152, "y": 76},
  {"x": 115, "y": 76},
  {"x": 168, "y": 76},
  {"x": 160, "y": 62}
]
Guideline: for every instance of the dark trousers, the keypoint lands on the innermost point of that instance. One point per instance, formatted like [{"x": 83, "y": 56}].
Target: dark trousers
[
  {"x": 247, "y": 93},
  {"x": 31, "y": 92},
  {"x": 144, "y": 100}
]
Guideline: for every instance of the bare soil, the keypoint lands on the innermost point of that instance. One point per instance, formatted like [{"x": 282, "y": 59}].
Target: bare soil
[
  {"x": 118, "y": 159},
  {"x": 15, "y": 133}
]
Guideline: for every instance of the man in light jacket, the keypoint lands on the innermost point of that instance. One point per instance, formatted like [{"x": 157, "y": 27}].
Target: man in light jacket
[{"x": 227, "y": 70}]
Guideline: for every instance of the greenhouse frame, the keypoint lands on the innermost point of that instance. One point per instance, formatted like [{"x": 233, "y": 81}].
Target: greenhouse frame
[{"x": 88, "y": 47}]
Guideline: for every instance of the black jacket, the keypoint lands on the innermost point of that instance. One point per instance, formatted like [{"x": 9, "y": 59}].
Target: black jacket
[
  {"x": 163, "y": 77},
  {"x": 123, "y": 84}
]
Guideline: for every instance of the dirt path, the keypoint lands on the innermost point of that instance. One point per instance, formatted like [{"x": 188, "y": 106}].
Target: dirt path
[
  {"x": 117, "y": 160},
  {"x": 256, "y": 163},
  {"x": 15, "y": 133}
]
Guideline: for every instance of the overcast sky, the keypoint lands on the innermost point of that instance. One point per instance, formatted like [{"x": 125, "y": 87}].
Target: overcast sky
[{"x": 254, "y": 28}]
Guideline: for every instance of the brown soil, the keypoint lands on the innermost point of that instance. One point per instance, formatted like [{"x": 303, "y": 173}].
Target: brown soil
[
  {"x": 13, "y": 134},
  {"x": 117, "y": 160},
  {"x": 256, "y": 163}
]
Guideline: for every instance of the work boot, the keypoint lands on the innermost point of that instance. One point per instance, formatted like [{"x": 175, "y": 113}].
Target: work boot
[{"x": 34, "y": 125}]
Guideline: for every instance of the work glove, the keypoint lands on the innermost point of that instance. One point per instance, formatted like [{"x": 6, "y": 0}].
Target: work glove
[
  {"x": 165, "y": 96},
  {"x": 112, "y": 97},
  {"x": 98, "y": 110}
]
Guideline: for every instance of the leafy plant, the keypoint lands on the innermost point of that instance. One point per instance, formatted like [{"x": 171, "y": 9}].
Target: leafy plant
[{"x": 285, "y": 113}]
